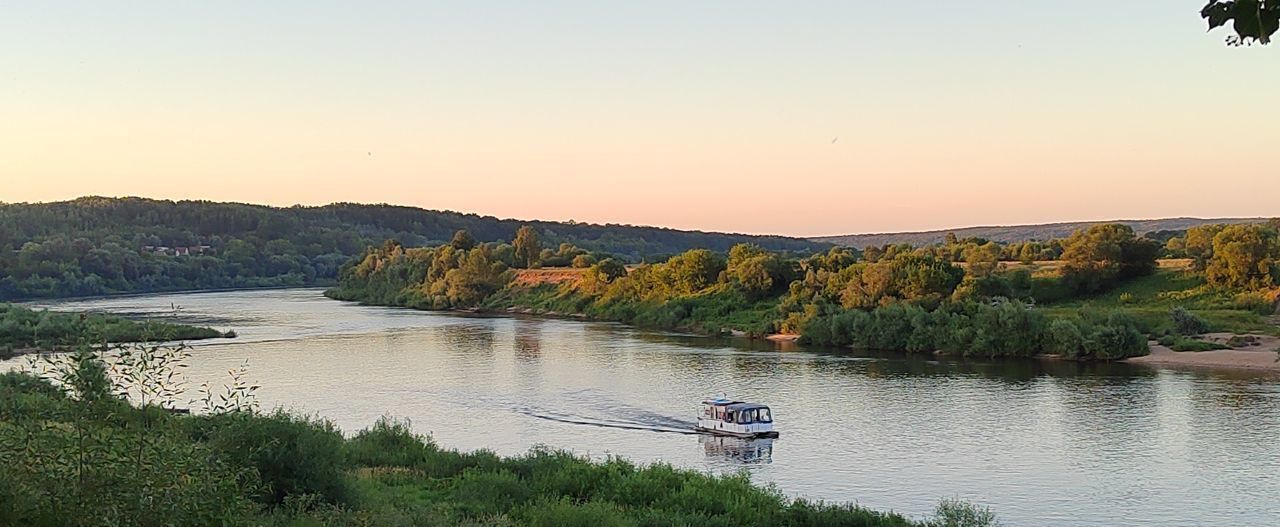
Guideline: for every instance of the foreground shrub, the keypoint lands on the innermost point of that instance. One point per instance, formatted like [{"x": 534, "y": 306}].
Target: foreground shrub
[
  {"x": 292, "y": 455},
  {"x": 960, "y": 513},
  {"x": 389, "y": 443},
  {"x": 93, "y": 461}
]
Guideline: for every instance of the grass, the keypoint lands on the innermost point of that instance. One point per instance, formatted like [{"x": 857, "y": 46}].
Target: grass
[{"x": 1149, "y": 300}]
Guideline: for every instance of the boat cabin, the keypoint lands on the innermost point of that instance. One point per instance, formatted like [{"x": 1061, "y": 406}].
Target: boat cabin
[{"x": 736, "y": 418}]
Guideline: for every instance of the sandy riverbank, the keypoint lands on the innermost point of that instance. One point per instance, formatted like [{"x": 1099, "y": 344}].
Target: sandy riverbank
[{"x": 1261, "y": 356}]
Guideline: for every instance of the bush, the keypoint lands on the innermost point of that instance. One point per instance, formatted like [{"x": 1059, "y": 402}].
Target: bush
[
  {"x": 1065, "y": 338},
  {"x": 482, "y": 491},
  {"x": 1187, "y": 323},
  {"x": 960, "y": 513},
  {"x": 389, "y": 443},
  {"x": 292, "y": 455},
  {"x": 1116, "y": 337}
]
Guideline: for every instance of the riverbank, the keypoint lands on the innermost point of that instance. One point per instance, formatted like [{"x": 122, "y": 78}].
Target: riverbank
[
  {"x": 1261, "y": 356},
  {"x": 319, "y": 284}
]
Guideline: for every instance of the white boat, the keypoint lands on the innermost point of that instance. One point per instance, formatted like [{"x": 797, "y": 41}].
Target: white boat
[{"x": 723, "y": 416}]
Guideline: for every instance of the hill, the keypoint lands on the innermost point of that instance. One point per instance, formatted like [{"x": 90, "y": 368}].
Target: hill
[
  {"x": 97, "y": 245},
  {"x": 1019, "y": 233}
]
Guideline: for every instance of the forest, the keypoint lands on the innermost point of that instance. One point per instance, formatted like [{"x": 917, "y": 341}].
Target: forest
[
  {"x": 1073, "y": 297},
  {"x": 96, "y": 245}
]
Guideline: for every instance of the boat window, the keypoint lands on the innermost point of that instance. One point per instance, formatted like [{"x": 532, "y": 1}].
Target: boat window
[
  {"x": 763, "y": 415},
  {"x": 728, "y": 417}
]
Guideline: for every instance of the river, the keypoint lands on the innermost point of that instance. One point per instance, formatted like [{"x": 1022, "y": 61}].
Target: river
[{"x": 1041, "y": 443}]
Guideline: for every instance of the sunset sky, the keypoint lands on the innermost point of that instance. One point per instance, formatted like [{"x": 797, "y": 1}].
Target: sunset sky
[{"x": 705, "y": 115}]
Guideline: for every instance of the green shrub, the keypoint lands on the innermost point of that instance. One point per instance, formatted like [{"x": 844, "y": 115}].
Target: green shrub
[
  {"x": 1187, "y": 323},
  {"x": 292, "y": 455},
  {"x": 1065, "y": 338},
  {"x": 489, "y": 491},
  {"x": 389, "y": 443},
  {"x": 1116, "y": 337},
  {"x": 960, "y": 513}
]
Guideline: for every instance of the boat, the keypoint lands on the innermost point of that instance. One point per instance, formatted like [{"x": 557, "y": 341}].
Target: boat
[{"x": 724, "y": 416}]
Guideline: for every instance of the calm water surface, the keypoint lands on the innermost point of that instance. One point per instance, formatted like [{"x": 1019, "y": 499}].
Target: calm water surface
[{"x": 1041, "y": 443}]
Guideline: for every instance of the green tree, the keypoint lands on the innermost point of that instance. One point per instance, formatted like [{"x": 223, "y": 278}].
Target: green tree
[
  {"x": 1244, "y": 257},
  {"x": 1251, "y": 20},
  {"x": 527, "y": 247},
  {"x": 982, "y": 260},
  {"x": 598, "y": 277},
  {"x": 1099, "y": 256},
  {"x": 1198, "y": 244},
  {"x": 462, "y": 240},
  {"x": 1029, "y": 252},
  {"x": 755, "y": 270},
  {"x": 922, "y": 278},
  {"x": 691, "y": 271}
]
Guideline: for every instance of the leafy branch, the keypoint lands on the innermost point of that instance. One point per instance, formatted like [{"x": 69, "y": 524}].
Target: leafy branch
[{"x": 1252, "y": 20}]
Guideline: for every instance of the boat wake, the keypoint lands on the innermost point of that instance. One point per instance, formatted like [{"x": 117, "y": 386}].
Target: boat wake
[
  {"x": 620, "y": 419},
  {"x": 609, "y": 424}
]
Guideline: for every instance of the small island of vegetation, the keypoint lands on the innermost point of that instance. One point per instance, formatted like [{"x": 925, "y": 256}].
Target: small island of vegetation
[{"x": 25, "y": 329}]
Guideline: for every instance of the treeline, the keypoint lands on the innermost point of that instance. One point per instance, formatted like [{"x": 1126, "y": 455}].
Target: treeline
[
  {"x": 462, "y": 273},
  {"x": 906, "y": 299},
  {"x": 95, "y": 245},
  {"x": 74, "y": 452},
  {"x": 997, "y": 328},
  {"x": 24, "y": 328}
]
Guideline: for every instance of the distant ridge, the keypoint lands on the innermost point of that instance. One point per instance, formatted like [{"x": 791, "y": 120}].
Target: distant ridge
[
  {"x": 186, "y": 222},
  {"x": 1020, "y": 233}
]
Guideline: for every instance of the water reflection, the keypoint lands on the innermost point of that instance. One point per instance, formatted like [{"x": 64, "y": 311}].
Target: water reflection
[
  {"x": 528, "y": 340},
  {"x": 737, "y": 449}
]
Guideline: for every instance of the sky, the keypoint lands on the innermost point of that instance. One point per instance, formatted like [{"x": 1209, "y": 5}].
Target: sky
[{"x": 797, "y": 118}]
